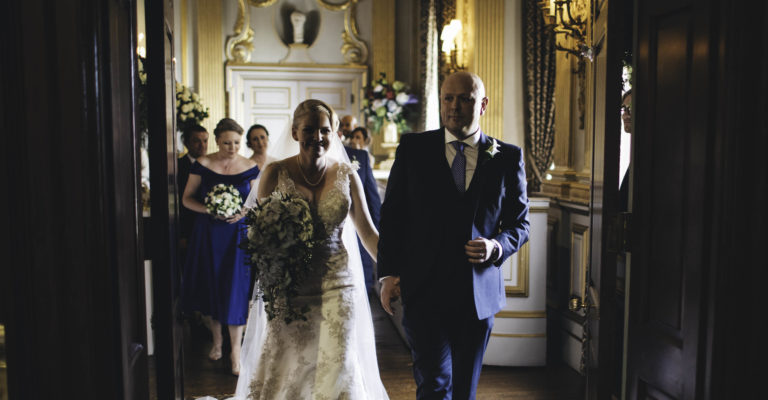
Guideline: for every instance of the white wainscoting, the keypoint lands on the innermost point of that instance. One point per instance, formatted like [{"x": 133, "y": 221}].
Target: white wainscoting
[
  {"x": 267, "y": 94},
  {"x": 519, "y": 336}
]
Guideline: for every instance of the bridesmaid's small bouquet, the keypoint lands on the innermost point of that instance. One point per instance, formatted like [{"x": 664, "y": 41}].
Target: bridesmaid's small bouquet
[
  {"x": 279, "y": 245},
  {"x": 223, "y": 200}
]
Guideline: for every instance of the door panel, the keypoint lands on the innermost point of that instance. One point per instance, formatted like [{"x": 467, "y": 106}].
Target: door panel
[{"x": 671, "y": 199}]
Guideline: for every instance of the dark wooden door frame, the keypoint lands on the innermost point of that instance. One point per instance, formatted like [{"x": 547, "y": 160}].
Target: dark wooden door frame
[
  {"x": 607, "y": 36},
  {"x": 161, "y": 234}
]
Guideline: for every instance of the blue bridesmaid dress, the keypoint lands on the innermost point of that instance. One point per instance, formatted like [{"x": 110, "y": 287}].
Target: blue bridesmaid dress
[{"x": 216, "y": 277}]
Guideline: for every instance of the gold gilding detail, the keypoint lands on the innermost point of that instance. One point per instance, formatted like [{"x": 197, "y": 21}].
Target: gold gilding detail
[
  {"x": 261, "y": 3},
  {"x": 336, "y": 6},
  {"x": 521, "y": 314},
  {"x": 240, "y": 45},
  {"x": 354, "y": 49},
  {"x": 523, "y": 261}
]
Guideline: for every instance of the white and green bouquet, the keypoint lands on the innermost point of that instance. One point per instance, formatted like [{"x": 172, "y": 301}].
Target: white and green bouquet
[
  {"x": 280, "y": 242},
  {"x": 223, "y": 200},
  {"x": 189, "y": 108}
]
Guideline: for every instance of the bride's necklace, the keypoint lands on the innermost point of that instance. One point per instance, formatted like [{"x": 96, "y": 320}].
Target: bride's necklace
[{"x": 306, "y": 180}]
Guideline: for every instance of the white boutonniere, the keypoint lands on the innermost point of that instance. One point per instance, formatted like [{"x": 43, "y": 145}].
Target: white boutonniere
[
  {"x": 493, "y": 148},
  {"x": 355, "y": 163}
]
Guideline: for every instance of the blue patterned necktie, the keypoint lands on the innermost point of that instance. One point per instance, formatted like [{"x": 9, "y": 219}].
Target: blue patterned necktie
[{"x": 459, "y": 166}]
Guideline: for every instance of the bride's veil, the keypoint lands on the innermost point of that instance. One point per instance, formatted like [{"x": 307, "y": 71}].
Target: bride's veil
[{"x": 283, "y": 147}]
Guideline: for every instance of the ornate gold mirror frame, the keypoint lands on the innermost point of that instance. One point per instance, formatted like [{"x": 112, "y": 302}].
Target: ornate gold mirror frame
[{"x": 240, "y": 45}]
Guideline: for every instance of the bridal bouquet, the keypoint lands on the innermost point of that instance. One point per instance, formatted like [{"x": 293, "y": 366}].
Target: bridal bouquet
[
  {"x": 279, "y": 247},
  {"x": 223, "y": 200}
]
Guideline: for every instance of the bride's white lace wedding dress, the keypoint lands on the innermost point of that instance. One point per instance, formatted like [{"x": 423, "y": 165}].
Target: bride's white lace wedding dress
[{"x": 332, "y": 354}]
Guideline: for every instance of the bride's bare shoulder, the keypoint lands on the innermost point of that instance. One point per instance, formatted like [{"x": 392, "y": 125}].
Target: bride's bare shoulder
[{"x": 272, "y": 169}]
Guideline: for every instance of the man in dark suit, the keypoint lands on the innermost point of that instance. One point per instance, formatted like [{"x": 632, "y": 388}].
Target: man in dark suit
[
  {"x": 455, "y": 208},
  {"x": 373, "y": 199},
  {"x": 195, "y": 139}
]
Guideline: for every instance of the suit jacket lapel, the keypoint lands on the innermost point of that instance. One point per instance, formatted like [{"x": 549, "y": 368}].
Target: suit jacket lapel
[{"x": 478, "y": 180}]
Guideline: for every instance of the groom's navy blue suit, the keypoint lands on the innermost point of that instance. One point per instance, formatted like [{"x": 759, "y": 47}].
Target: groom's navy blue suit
[{"x": 449, "y": 303}]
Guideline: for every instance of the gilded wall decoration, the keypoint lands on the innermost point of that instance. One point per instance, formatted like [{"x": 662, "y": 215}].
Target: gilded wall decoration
[{"x": 240, "y": 44}]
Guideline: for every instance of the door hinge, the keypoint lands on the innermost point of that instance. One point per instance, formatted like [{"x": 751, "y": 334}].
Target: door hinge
[
  {"x": 351, "y": 98},
  {"x": 242, "y": 97}
]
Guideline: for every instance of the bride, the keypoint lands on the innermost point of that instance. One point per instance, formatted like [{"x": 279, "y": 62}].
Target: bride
[{"x": 332, "y": 354}]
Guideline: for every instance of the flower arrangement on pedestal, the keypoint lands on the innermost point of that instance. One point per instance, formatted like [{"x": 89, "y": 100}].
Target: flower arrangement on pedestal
[
  {"x": 189, "y": 109},
  {"x": 388, "y": 102}
]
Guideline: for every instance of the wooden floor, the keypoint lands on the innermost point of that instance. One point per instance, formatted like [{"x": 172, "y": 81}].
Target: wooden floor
[{"x": 206, "y": 378}]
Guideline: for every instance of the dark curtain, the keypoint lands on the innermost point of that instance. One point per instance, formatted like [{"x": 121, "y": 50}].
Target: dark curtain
[{"x": 539, "y": 83}]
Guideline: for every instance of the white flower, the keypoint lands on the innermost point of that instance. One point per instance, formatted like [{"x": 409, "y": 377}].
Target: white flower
[
  {"x": 183, "y": 117},
  {"x": 186, "y": 108},
  {"x": 402, "y": 98},
  {"x": 377, "y": 103},
  {"x": 493, "y": 148},
  {"x": 393, "y": 107},
  {"x": 378, "y": 88}
]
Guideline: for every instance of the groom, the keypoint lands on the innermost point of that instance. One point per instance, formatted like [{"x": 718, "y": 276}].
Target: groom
[{"x": 454, "y": 210}]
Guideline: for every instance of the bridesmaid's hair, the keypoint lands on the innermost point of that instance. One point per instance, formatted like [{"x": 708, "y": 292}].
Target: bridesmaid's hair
[
  {"x": 313, "y": 106},
  {"x": 255, "y": 126},
  {"x": 227, "y": 124}
]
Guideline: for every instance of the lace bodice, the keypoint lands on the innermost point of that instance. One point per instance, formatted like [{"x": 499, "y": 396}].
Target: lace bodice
[
  {"x": 333, "y": 205},
  {"x": 331, "y": 208}
]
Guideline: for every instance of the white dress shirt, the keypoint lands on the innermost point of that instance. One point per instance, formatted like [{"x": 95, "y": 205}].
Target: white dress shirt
[{"x": 470, "y": 153}]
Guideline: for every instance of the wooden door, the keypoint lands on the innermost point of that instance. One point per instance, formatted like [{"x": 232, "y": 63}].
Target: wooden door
[
  {"x": 71, "y": 273},
  {"x": 605, "y": 95},
  {"x": 672, "y": 199},
  {"x": 161, "y": 235}
]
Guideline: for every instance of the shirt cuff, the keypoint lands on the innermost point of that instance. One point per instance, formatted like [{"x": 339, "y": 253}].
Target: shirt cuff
[
  {"x": 499, "y": 250},
  {"x": 384, "y": 277}
]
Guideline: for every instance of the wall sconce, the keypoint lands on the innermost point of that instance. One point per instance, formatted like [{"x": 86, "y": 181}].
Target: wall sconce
[
  {"x": 453, "y": 53},
  {"x": 558, "y": 15}
]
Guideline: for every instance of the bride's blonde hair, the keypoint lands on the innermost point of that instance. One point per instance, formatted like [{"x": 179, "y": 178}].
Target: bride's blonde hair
[{"x": 314, "y": 106}]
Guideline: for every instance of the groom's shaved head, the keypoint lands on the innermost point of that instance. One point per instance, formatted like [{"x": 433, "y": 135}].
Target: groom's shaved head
[{"x": 462, "y": 102}]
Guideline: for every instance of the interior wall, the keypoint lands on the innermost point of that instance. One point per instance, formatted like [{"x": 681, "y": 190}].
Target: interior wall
[{"x": 514, "y": 121}]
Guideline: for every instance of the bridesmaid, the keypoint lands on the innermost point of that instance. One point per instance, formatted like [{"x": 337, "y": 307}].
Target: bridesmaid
[
  {"x": 216, "y": 277},
  {"x": 257, "y": 139}
]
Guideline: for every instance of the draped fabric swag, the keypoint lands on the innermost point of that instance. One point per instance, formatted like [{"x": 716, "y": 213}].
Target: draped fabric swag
[{"x": 539, "y": 82}]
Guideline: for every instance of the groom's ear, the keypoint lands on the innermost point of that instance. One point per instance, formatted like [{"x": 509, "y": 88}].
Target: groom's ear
[
  {"x": 483, "y": 105},
  {"x": 294, "y": 134}
]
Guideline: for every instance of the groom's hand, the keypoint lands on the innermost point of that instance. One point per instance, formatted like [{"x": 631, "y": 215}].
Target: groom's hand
[
  {"x": 479, "y": 250},
  {"x": 390, "y": 291}
]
